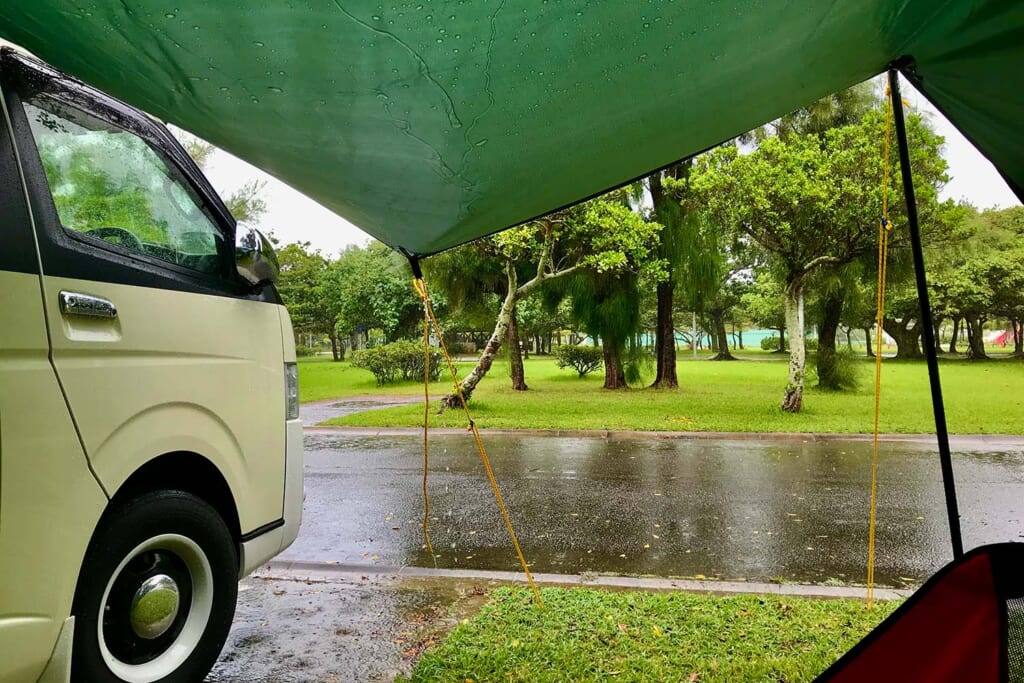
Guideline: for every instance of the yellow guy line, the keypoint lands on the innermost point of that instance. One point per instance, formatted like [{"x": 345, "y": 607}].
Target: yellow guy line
[{"x": 421, "y": 289}]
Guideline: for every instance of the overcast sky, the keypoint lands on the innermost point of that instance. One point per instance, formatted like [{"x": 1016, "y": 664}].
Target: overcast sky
[{"x": 293, "y": 217}]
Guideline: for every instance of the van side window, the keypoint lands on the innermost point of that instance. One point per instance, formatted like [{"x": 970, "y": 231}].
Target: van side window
[{"x": 109, "y": 184}]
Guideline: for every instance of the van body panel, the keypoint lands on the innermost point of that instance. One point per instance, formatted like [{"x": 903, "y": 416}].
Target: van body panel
[
  {"x": 176, "y": 371},
  {"x": 49, "y": 500}
]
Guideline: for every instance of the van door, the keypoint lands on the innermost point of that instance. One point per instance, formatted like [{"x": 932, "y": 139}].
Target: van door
[
  {"x": 158, "y": 344},
  {"x": 49, "y": 500}
]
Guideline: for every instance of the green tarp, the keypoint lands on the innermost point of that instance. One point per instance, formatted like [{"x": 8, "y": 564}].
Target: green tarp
[{"x": 432, "y": 122}]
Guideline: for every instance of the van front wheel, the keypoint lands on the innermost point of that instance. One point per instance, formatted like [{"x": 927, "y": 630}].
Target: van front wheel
[{"x": 157, "y": 592}]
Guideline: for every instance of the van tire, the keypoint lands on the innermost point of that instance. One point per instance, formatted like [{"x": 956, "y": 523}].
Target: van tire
[{"x": 170, "y": 547}]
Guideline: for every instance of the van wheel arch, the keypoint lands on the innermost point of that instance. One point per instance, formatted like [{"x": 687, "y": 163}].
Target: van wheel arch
[{"x": 187, "y": 472}]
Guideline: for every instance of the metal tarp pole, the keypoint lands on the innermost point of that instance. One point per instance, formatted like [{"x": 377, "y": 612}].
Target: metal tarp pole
[{"x": 927, "y": 330}]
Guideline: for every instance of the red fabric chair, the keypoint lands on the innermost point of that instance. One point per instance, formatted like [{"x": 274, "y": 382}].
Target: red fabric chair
[{"x": 966, "y": 624}]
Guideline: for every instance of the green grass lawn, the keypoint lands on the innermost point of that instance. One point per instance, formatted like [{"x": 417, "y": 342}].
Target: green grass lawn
[
  {"x": 591, "y": 635},
  {"x": 981, "y": 397}
]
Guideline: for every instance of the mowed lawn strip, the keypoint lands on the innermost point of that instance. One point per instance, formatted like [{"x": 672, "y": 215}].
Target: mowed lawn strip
[
  {"x": 592, "y": 635},
  {"x": 981, "y": 398}
]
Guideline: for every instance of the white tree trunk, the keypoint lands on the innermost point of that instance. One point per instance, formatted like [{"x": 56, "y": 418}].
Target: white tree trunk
[
  {"x": 793, "y": 399},
  {"x": 490, "y": 351}
]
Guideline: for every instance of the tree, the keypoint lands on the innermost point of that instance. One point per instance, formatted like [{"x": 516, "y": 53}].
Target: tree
[
  {"x": 607, "y": 305},
  {"x": 813, "y": 201},
  {"x": 762, "y": 303},
  {"x": 839, "y": 293},
  {"x": 675, "y": 249},
  {"x": 602, "y": 235},
  {"x": 370, "y": 288},
  {"x": 300, "y": 285},
  {"x": 246, "y": 203}
]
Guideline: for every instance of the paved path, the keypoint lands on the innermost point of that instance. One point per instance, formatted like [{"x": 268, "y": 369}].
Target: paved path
[{"x": 320, "y": 411}]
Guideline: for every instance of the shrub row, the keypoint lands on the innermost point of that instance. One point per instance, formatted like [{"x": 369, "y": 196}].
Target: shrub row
[{"x": 397, "y": 360}]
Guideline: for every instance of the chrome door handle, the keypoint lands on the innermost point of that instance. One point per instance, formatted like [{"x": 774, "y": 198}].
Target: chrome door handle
[{"x": 86, "y": 305}]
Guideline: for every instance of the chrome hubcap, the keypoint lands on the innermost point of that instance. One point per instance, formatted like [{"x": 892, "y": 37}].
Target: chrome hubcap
[{"x": 154, "y": 606}]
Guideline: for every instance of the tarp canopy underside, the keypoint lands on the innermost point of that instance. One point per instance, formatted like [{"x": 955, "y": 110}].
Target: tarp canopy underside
[{"x": 433, "y": 122}]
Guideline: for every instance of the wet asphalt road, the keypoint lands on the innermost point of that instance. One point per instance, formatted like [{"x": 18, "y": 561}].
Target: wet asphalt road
[{"x": 745, "y": 509}]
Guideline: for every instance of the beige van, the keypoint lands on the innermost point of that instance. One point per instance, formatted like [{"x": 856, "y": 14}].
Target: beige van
[{"x": 150, "y": 448}]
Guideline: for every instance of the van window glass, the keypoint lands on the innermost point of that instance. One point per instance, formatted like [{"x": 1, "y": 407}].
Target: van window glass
[{"x": 109, "y": 184}]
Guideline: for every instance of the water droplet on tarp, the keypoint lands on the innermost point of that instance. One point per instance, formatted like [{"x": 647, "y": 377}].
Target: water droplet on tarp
[
  {"x": 170, "y": 15},
  {"x": 258, "y": 43},
  {"x": 195, "y": 27},
  {"x": 224, "y": 88},
  {"x": 274, "y": 88},
  {"x": 376, "y": 17},
  {"x": 481, "y": 143},
  {"x": 383, "y": 97}
]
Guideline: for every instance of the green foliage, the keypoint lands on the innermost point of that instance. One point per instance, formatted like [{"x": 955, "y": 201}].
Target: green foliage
[
  {"x": 299, "y": 284},
  {"x": 583, "y": 634},
  {"x": 847, "y": 371},
  {"x": 303, "y": 351},
  {"x": 371, "y": 288},
  {"x": 583, "y": 359},
  {"x": 762, "y": 302},
  {"x": 812, "y": 200},
  {"x": 397, "y": 360},
  {"x": 770, "y": 343}
]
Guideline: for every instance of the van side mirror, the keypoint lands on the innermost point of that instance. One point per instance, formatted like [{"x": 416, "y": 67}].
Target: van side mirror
[{"x": 255, "y": 258}]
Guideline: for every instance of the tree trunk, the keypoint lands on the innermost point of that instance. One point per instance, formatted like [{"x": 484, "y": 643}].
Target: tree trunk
[
  {"x": 793, "y": 399},
  {"x": 956, "y": 333},
  {"x": 486, "y": 360},
  {"x": 515, "y": 354},
  {"x": 614, "y": 374},
  {"x": 723, "y": 337},
  {"x": 831, "y": 313},
  {"x": 665, "y": 340},
  {"x": 336, "y": 353},
  {"x": 849, "y": 342},
  {"x": 867, "y": 339},
  {"x": 936, "y": 334},
  {"x": 1018, "y": 338},
  {"x": 976, "y": 339},
  {"x": 782, "y": 341},
  {"x": 739, "y": 332},
  {"x": 355, "y": 341},
  {"x": 906, "y": 333}
]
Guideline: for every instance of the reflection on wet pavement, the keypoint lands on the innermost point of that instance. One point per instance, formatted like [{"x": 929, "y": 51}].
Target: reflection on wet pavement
[{"x": 759, "y": 510}]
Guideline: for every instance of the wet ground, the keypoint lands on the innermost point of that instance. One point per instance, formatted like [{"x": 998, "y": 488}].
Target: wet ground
[
  {"x": 338, "y": 629},
  {"x": 320, "y": 411},
  {"x": 744, "y": 509}
]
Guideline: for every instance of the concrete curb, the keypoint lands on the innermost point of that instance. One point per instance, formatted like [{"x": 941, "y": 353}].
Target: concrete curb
[
  {"x": 303, "y": 570},
  {"x": 962, "y": 441}
]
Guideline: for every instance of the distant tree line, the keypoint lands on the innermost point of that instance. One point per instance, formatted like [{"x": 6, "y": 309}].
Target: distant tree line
[{"x": 774, "y": 230}]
